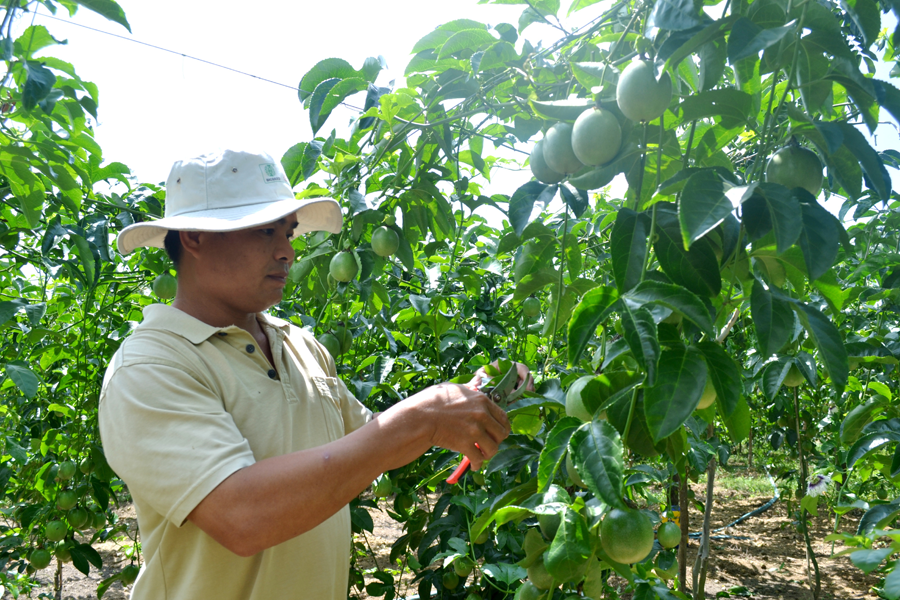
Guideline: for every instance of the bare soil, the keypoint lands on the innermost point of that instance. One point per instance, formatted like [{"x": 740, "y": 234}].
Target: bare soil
[{"x": 766, "y": 555}]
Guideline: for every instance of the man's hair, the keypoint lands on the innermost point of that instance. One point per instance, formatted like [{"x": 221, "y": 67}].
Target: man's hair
[{"x": 173, "y": 246}]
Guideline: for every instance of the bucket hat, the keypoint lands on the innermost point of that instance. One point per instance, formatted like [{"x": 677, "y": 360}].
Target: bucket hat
[{"x": 227, "y": 191}]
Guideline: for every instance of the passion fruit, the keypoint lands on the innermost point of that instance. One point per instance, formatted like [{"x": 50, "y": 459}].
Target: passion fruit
[
  {"x": 596, "y": 136},
  {"x": 343, "y": 266},
  {"x": 573, "y": 473},
  {"x": 794, "y": 377},
  {"x": 795, "y": 166},
  {"x": 66, "y": 470},
  {"x": 331, "y": 344},
  {"x": 385, "y": 241},
  {"x": 55, "y": 531},
  {"x": 531, "y": 307},
  {"x": 626, "y": 535},
  {"x": 66, "y": 499},
  {"x": 669, "y": 535},
  {"x": 40, "y": 559},
  {"x": 640, "y": 95},
  {"x": 558, "y": 149},
  {"x": 528, "y": 591},
  {"x": 130, "y": 574},
  {"x": 709, "y": 395},
  {"x": 576, "y": 400},
  {"x": 164, "y": 286},
  {"x": 539, "y": 168}
]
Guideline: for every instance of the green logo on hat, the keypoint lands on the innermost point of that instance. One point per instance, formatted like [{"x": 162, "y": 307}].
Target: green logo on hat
[{"x": 270, "y": 173}]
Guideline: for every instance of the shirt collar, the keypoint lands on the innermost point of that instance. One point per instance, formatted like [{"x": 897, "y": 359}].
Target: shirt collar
[{"x": 168, "y": 318}]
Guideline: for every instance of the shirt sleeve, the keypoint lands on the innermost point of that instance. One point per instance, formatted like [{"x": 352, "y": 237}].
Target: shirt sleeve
[{"x": 168, "y": 436}]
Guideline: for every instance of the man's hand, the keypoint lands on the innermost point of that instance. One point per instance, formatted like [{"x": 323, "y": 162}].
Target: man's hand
[
  {"x": 460, "y": 417},
  {"x": 524, "y": 376}
]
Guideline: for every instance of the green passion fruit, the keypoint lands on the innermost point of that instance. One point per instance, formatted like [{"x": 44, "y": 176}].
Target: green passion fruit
[
  {"x": 130, "y": 574},
  {"x": 63, "y": 551},
  {"x": 66, "y": 470},
  {"x": 66, "y": 499},
  {"x": 669, "y": 535},
  {"x": 55, "y": 531},
  {"x": 794, "y": 377},
  {"x": 709, "y": 395},
  {"x": 345, "y": 338},
  {"x": 463, "y": 566},
  {"x": 385, "y": 241},
  {"x": 531, "y": 307},
  {"x": 795, "y": 166},
  {"x": 450, "y": 580},
  {"x": 528, "y": 591},
  {"x": 331, "y": 344},
  {"x": 640, "y": 95},
  {"x": 343, "y": 266},
  {"x": 558, "y": 149},
  {"x": 539, "y": 168},
  {"x": 549, "y": 524},
  {"x": 596, "y": 137},
  {"x": 573, "y": 473},
  {"x": 40, "y": 559},
  {"x": 77, "y": 518},
  {"x": 626, "y": 535},
  {"x": 164, "y": 286}
]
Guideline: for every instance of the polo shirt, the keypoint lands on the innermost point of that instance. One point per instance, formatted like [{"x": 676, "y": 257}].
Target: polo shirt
[{"x": 183, "y": 406}]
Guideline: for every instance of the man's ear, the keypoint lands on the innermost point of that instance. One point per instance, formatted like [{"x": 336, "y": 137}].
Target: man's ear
[{"x": 190, "y": 241}]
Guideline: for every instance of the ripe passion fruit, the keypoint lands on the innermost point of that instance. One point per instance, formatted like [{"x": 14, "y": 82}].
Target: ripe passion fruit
[
  {"x": 596, "y": 136},
  {"x": 558, "y": 149},
  {"x": 640, "y": 95},
  {"x": 539, "y": 168},
  {"x": 626, "y": 535},
  {"x": 795, "y": 166}
]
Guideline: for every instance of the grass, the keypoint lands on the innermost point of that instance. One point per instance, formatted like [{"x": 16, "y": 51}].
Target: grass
[{"x": 751, "y": 483}]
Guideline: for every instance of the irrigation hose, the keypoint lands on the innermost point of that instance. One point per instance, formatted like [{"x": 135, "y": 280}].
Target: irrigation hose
[{"x": 743, "y": 518}]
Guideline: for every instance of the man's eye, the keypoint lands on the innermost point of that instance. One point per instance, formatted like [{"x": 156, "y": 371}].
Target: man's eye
[{"x": 269, "y": 231}]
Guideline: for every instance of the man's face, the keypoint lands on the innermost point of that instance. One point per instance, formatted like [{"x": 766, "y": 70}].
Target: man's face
[{"x": 246, "y": 271}]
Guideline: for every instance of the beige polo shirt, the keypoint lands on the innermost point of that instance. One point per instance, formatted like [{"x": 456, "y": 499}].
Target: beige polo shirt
[{"x": 184, "y": 405}]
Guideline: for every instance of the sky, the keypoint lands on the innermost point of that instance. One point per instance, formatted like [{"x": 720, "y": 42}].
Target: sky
[{"x": 156, "y": 107}]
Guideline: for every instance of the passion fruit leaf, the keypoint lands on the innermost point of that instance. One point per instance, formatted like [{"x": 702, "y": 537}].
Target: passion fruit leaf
[
  {"x": 869, "y": 442},
  {"x": 856, "y": 419},
  {"x": 570, "y": 550},
  {"x": 23, "y": 377},
  {"x": 819, "y": 239},
  {"x": 773, "y": 320},
  {"x": 868, "y": 159},
  {"x": 597, "y": 450},
  {"x": 702, "y": 206},
  {"x": 560, "y": 110},
  {"x": 773, "y": 375},
  {"x": 554, "y": 449},
  {"x": 595, "y": 306},
  {"x": 674, "y": 15},
  {"x": 523, "y": 200},
  {"x": 679, "y": 385},
  {"x": 749, "y": 39},
  {"x": 738, "y": 422},
  {"x": 699, "y": 40},
  {"x": 329, "y": 68},
  {"x": 828, "y": 341},
  {"x": 734, "y": 105},
  {"x": 640, "y": 335},
  {"x": 674, "y": 297},
  {"x": 696, "y": 269},
  {"x": 577, "y": 201},
  {"x": 628, "y": 245},
  {"x": 724, "y": 373},
  {"x": 299, "y": 162}
]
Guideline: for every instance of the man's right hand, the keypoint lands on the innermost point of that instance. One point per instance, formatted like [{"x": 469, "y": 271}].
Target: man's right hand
[{"x": 458, "y": 418}]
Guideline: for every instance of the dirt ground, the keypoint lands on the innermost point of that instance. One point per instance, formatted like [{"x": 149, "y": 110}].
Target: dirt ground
[{"x": 770, "y": 563}]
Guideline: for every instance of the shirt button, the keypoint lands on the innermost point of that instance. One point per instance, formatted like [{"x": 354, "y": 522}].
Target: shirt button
[
  {"x": 222, "y": 334},
  {"x": 250, "y": 349},
  {"x": 272, "y": 374}
]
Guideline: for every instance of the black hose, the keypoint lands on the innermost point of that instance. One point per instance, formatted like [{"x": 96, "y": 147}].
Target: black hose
[{"x": 743, "y": 518}]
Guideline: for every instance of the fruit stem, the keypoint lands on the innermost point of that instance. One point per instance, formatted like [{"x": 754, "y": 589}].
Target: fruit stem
[
  {"x": 662, "y": 130},
  {"x": 615, "y": 48},
  {"x": 649, "y": 242},
  {"x": 640, "y": 184},
  {"x": 630, "y": 416},
  {"x": 690, "y": 144}
]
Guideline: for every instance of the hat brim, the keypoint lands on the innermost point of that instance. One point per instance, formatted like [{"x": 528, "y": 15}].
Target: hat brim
[{"x": 317, "y": 214}]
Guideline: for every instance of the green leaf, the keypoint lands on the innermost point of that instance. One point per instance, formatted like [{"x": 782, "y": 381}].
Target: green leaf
[
  {"x": 738, "y": 423},
  {"x": 320, "y": 109},
  {"x": 679, "y": 386},
  {"x": 561, "y": 110},
  {"x": 819, "y": 239},
  {"x": 299, "y": 162},
  {"x": 675, "y": 298},
  {"x": 329, "y": 68},
  {"x": 811, "y": 504},
  {"x": 732, "y": 104},
  {"x": 640, "y": 334},
  {"x": 627, "y": 247},
  {"x": 570, "y": 549},
  {"x": 867, "y": 18},
  {"x": 772, "y": 207},
  {"x": 505, "y": 573},
  {"x": 534, "y": 282},
  {"x": 892, "y": 585},
  {"x": 773, "y": 320},
  {"x": 749, "y": 39},
  {"x": 32, "y": 40},
  {"x": 523, "y": 200},
  {"x": 108, "y": 9},
  {"x": 828, "y": 341},
  {"x": 38, "y": 84},
  {"x": 857, "y": 419},
  {"x": 696, "y": 269},
  {"x": 674, "y": 15},
  {"x": 869, "y": 160},
  {"x": 317, "y": 100},
  {"x": 868, "y": 560},
  {"x": 467, "y": 39},
  {"x": 23, "y": 377},
  {"x": 595, "y": 306},
  {"x": 597, "y": 454},
  {"x": 8, "y": 308},
  {"x": 554, "y": 449},
  {"x": 725, "y": 375},
  {"x": 703, "y": 205},
  {"x": 701, "y": 39}
]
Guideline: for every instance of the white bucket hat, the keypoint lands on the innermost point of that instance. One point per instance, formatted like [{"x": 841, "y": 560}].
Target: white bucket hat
[{"x": 228, "y": 191}]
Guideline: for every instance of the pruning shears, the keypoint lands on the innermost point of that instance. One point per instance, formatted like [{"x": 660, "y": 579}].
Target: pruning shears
[{"x": 504, "y": 392}]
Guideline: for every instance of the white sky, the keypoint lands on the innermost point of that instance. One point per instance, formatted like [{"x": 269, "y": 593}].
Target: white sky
[{"x": 156, "y": 107}]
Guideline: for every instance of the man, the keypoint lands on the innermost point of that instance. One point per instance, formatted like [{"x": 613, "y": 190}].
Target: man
[{"x": 238, "y": 443}]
